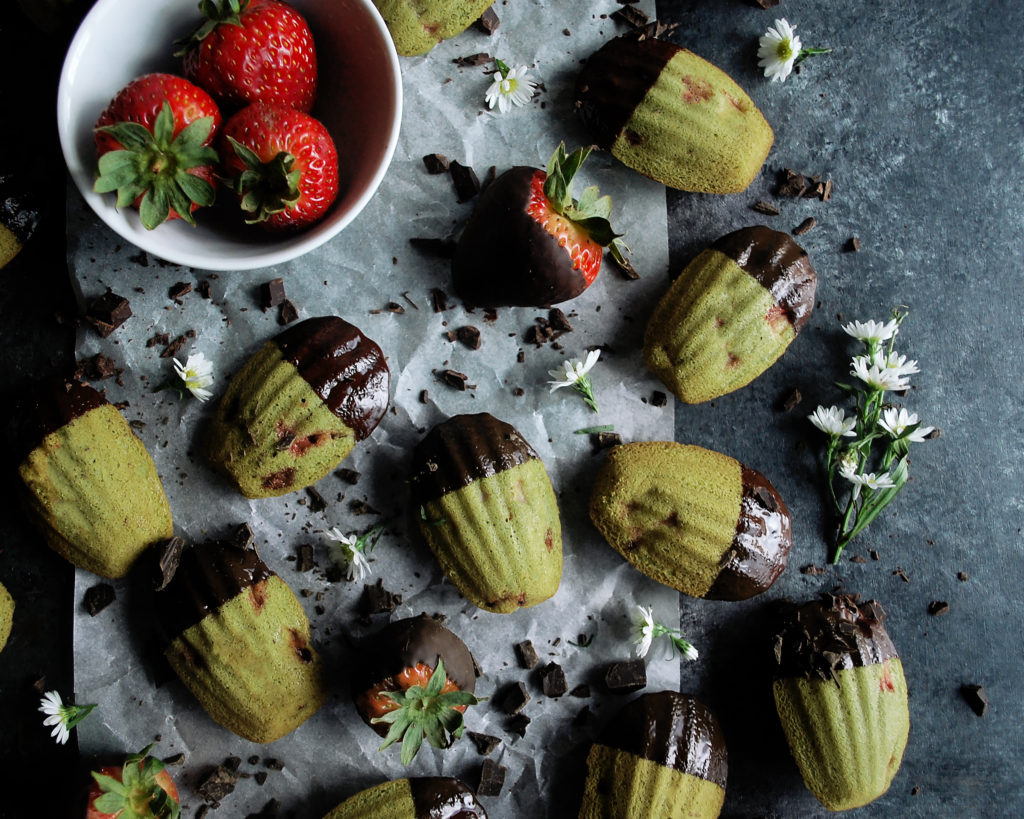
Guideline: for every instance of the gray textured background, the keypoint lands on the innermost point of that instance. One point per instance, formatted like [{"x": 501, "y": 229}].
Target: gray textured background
[{"x": 916, "y": 116}]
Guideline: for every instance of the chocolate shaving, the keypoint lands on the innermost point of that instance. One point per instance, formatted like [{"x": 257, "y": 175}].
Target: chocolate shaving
[
  {"x": 465, "y": 180},
  {"x": 317, "y": 503},
  {"x": 349, "y": 476},
  {"x": 552, "y": 680},
  {"x": 305, "y": 558},
  {"x": 626, "y": 677},
  {"x": 435, "y": 163},
  {"x": 489, "y": 23},
  {"x": 174, "y": 347},
  {"x": 108, "y": 312},
  {"x": 473, "y": 60},
  {"x": 767, "y": 208},
  {"x": 439, "y": 300},
  {"x": 805, "y": 226},
  {"x": 217, "y": 784},
  {"x": 167, "y": 562},
  {"x": 484, "y": 743},
  {"x": 272, "y": 294},
  {"x": 791, "y": 400},
  {"x": 526, "y": 654},
  {"x": 632, "y": 17},
  {"x": 176, "y": 291},
  {"x": 492, "y": 778},
  {"x": 976, "y": 697},
  {"x": 203, "y": 288},
  {"x": 813, "y": 570},
  {"x": 98, "y": 597}
]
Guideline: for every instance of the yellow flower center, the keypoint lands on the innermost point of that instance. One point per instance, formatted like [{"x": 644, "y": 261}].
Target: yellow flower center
[{"x": 784, "y": 50}]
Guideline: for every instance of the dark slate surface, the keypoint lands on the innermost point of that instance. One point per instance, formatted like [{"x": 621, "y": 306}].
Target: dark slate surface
[{"x": 917, "y": 118}]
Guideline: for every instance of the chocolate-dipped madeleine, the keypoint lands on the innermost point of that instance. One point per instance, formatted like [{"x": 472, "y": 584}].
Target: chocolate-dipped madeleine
[
  {"x": 662, "y": 755},
  {"x": 299, "y": 406},
  {"x": 730, "y": 314},
  {"x": 239, "y": 639},
  {"x": 842, "y": 699},
  {"x": 488, "y": 512},
  {"x": 83, "y": 455},
  {"x": 429, "y": 797},
  {"x": 672, "y": 116},
  {"x": 693, "y": 519}
]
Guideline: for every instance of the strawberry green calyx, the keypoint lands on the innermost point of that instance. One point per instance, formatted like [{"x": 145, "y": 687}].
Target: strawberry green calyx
[
  {"x": 591, "y": 211},
  {"x": 138, "y": 794},
  {"x": 265, "y": 188},
  {"x": 155, "y": 165},
  {"x": 228, "y": 12},
  {"x": 425, "y": 712}
]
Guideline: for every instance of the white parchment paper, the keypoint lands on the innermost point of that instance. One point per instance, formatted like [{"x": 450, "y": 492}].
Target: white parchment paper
[{"x": 367, "y": 266}]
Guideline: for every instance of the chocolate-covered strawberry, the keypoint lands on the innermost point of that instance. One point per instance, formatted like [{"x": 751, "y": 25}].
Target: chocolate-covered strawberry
[
  {"x": 421, "y": 797},
  {"x": 413, "y": 680},
  {"x": 693, "y": 519},
  {"x": 238, "y": 638},
  {"x": 529, "y": 243},
  {"x": 662, "y": 755},
  {"x": 842, "y": 699},
  {"x": 730, "y": 314},
  {"x": 83, "y": 457},
  {"x": 298, "y": 407},
  {"x": 488, "y": 512}
]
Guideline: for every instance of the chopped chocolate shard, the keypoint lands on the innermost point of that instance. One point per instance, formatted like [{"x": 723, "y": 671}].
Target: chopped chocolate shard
[
  {"x": 378, "y": 600},
  {"x": 203, "y": 288},
  {"x": 439, "y": 300},
  {"x": 260, "y": 777},
  {"x": 526, "y": 654},
  {"x": 552, "y": 680},
  {"x": 174, "y": 761},
  {"x": 452, "y": 378},
  {"x": 174, "y": 347},
  {"x": 632, "y": 17},
  {"x": 625, "y": 268},
  {"x": 767, "y": 208},
  {"x": 98, "y": 597},
  {"x": 792, "y": 400},
  {"x": 658, "y": 399},
  {"x": 558, "y": 321},
  {"x": 441, "y": 248},
  {"x": 242, "y": 537},
  {"x": 473, "y": 60},
  {"x": 305, "y": 561},
  {"x": 489, "y": 21},
  {"x": 858, "y": 559},
  {"x": 518, "y": 724},
  {"x": 424, "y": 396},
  {"x": 581, "y": 690},
  {"x": 435, "y": 163},
  {"x": 288, "y": 314},
  {"x": 176, "y": 291},
  {"x": 811, "y": 569},
  {"x": 626, "y": 677},
  {"x": 167, "y": 563},
  {"x": 349, "y": 476},
  {"x": 272, "y": 294},
  {"x": 469, "y": 336},
  {"x": 160, "y": 339},
  {"x": 274, "y": 764},
  {"x": 96, "y": 368},
  {"x": 874, "y": 554},
  {"x": 514, "y": 699},
  {"x": 108, "y": 312},
  {"x": 394, "y": 307},
  {"x": 465, "y": 180},
  {"x": 937, "y": 607},
  {"x": 791, "y": 183},
  {"x": 317, "y": 502},
  {"x": 976, "y": 697},
  {"x": 901, "y": 574},
  {"x": 805, "y": 226},
  {"x": 852, "y": 245},
  {"x": 492, "y": 778},
  {"x": 962, "y": 577},
  {"x": 484, "y": 743},
  {"x": 217, "y": 784},
  {"x": 233, "y": 763}
]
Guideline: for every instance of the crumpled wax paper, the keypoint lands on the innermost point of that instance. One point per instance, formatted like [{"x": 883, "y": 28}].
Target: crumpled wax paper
[{"x": 355, "y": 276}]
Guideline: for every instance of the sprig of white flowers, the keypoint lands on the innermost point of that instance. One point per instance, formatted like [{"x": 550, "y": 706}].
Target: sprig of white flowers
[
  {"x": 354, "y": 549},
  {"x": 62, "y": 717},
  {"x": 197, "y": 375},
  {"x": 879, "y": 370},
  {"x": 574, "y": 374},
  {"x": 780, "y": 51},
  {"x": 510, "y": 87},
  {"x": 647, "y": 630}
]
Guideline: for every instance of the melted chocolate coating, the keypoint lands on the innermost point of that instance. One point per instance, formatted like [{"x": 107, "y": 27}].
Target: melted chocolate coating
[
  {"x": 823, "y": 636},
  {"x": 779, "y": 264},
  {"x": 615, "y": 81},
  {"x": 207, "y": 577},
  {"x": 463, "y": 449},
  {"x": 56, "y": 402},
  {"x": 505, "y": 258},
  {"x": 674, "y": 730},
  {"x": 761, "y": 545},
  {"x": 442, "y": 797},
  {"x": 345, "y": 368}
]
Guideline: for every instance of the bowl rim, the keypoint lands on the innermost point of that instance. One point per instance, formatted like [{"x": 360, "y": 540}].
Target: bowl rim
[{"x": 289, "y": 247}]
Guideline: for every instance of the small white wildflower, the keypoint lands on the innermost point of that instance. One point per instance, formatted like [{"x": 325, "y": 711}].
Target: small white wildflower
[
  {"x": 354, "y": 549},
  {"x": 870, "y": 480},
  {"x": 510, "y": 87},
  {"x": 877, "y": 375},
  {"x": 62, "y": 717},
  {"x": 574, "y": 374},
  {"x": 779, "y": 48},
  {"x": 899, "y": 365},
  {"x": 647, "y": 630},
  {"x": 644, "y": 631},
  {"x": 896, "y": 422},
  {"x": 197, "y": 373},
  {"x": 848, "y": 465},
  {"x": 872, "y": 331},
  {"x": 833, "y": 421}
]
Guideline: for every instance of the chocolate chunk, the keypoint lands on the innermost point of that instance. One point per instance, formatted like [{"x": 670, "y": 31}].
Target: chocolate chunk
[
  {"x": 95, "y": 369},
  {"x": 242, "y": 537},
  {"x": 976, "y": 697},
  {"x": 792, "y": 400},
  {"x": 465, "y": 180},
  {"x": 253, "y": 760},
  {"x": 260, "y": 777},
  {"x": 518, "y": 724},
  {"x": 174, "y": 347},
  {"x": 473, "y": 60},
  {"x": 514, "y": 699},
  {"x": 176, "y": 291},
  {"x": 159, "y": 340},
  {"x": 167, "y": 562},
  {"x": 767, "y": 208},
  {"x": 452, "y": 378},
  {"x": 805, "y": 226},
  {"x": 435, "y": 163},
  {"x": 217, "y": 784},
  {"x": 439, "y": 300},
  {"x": 558, "y": 321},
  {"x": 203, "y": 288},
  {"x": 394, "y": 307},
  {"x": 581, "y": 690},
  {"x": 174, "y": 761},
  {"x": 492, "y": 778},
  {"x": 377, "y": 600},
  {"x": 489, "y": 21},
  {"x": 658, "y": 399},
  {"x": 349, "y": 476},
  {"x": 526, "y": 654},
  {"x": 626, "y": 677},
  {"x": 288, "y": 314},
  {"x": 272, "y": 294},
  {"x": 317, "y": 503},
  {"x": 424, "y": 396},
  {"x": 233, "y": 763},
  {"x": 632, "y": 17},
  {"x": 852, "y": 245},
  {"x": 962, "y": 576},
  {"x": 791, "y": 183},
  {"x": 874, "y": 554},
  {"x": 484, "y": 743},
  {"x": 108, "y": 312},
  {"x": 469, "y": 336},
  {"x": 552, "y": 680},
  {"x": 98, "y": 597},
  {"x": 938, "y": 607},
  {"x": 305, "y": 561},
  {"x": 274, "y": 764}
]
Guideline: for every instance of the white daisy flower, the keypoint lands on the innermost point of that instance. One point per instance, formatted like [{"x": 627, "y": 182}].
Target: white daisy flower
[
  {"x": 833, "y": 421},
  {"x": 353, "y": 549},
  {"x": 877, "y": 375},
  {"x": 898, "y": 364},
  {"x": 574, "y": 374},
  {"x": 896, "y": 422},
  {"x": 197, "y": 373},
  {"x": 872, "y": 331},
  {"x": 870, "y": 480},
  {"x": 647, "y": 630},
  {"x": 510, "y": 87},
  {"x": 779, "y": 49},
  {"x": 62, "y": 717},
  {"x": 644, "y": 631}
]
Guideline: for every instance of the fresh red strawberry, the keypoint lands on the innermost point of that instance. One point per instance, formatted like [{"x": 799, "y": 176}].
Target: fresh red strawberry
[
  {"x": 529, "y": 243},
  {"x": 282, "y": 164},
  {"x": 139, "y": 789},
  {"x": 414, "y": 679},
  {"x": 153, "y": 143},
  {"x": 252, "y": 51}
]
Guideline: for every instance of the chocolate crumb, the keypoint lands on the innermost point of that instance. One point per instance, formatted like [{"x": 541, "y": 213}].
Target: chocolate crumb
[
  {"x": 914, "y": 791},
  {"x": 514, "y": 699},
  {"x": 489, "y": 23},
  {"x": 274, "y": 764},
  {"x": 465, "y": 180},
  {"x": 490, "y": 315},
  {"x": 305, "y": 561},
  {"x": 626, "y": 677},
  {"x": 424, "y": 396},
  {"x": 526, "y": 654},
  {"x": 858, "y": 559},
  {"x": 108, "y": 312},
  {"x": 233, "y": 763},
  {"x": 937, "y": 607},
  {"x": 631, "y": 16},
  {"x": 813, "y": 570},
  {"x": 873, "y": 553},
  {"x": 935, "y": 433},
  {"x": 518, "y": 392},
  {"x": 204, "y": 288},
  {"x": 260, "y": 777},
  {"x": 518, "y": 724},
  {"x": 469, "y": 336},
  {"x": 217, "y": 784},
  {"x": 349, "y": 476},
  {"x": 558, "y": 321},
  {"x": 976, "y": 697},
  {"x": 581, "y": 690},
  {"x": 378, "y": 600},
  {"x": 492, "y": 778},
  {"x": 901, "y": 574},
  {"x": 174, "y": 761},
  {"x": 805, "y": 226},
  {"x": 552, "y": 680},
  {"x": 253, "y": 760},
  {"x": 658, "y": 399},
  {"x": 317, "y": 502},
  {"x": 436, "y": 163},
  {"x": 767, "y": 208},
  {"x": 288, "y": 314},
  {"x": 452, "y": 378},
  {"x": 439, "y": 299},
  {"x": 604, "y": 440},
  {"x": 176, "y": 291},
  {"x": 98, "y": 597},
  {"x": 473, "y": 60},
  {"x": 792, "y": 400},
  {"x": 160, "y": 339},
  {"x": 96, "y": 368},
  {"x": 520, "y": 357},
  {"x": 962, "y": 576},
  {"x": 791, "y": 183},
  {"x": 852, "y": 245},
  {"x": 174, "y": 347},
  {"x": 272, "y": 294},
  {"x": 484, "y": 743},
  {"x": 358, "y": 507}
]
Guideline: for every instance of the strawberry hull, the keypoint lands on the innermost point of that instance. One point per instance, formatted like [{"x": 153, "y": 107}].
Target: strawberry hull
[{"x": 507, "y": 259}]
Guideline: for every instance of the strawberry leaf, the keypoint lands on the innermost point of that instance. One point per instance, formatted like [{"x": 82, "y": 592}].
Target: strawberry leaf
[
  {"x": 411, "y": 743},
  {"x": 108, "y": 784},
  {"x": 110, "y": 803}
]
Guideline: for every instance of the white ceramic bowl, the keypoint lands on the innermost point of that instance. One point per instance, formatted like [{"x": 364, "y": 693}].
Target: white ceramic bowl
[{"x": 359, "y": 100}]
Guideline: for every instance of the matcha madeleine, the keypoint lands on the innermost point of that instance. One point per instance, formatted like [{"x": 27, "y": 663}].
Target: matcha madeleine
[
  {"x": 74, "y": 480},
  {"x": 693, "y": 519},
  {"x": 488, "y": 512},
  {"x": 842, "y": 699},
  {"x": 417, "y": 26},
  {"x": 730, "y": 314},
  {"x": 239, "y": 638},
  {"x": 298, "y": 407},
  {"x": 672, "y": 116},
  {"x": 6, "y": 615},
  {"x": 433, "y": 797},
  {"x": 663, "y": 755}
]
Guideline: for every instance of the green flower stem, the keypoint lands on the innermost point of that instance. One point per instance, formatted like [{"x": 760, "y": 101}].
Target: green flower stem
[{"x": 585, "y": 388}]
